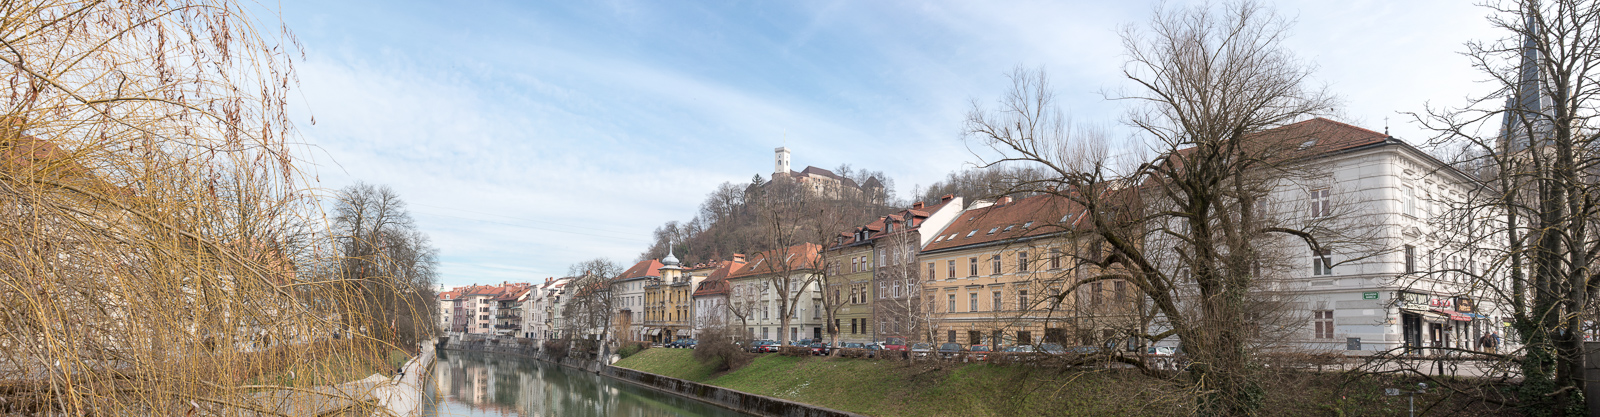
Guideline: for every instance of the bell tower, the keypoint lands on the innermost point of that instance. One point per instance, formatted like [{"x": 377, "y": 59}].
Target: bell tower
[{"x": 780, "y": 162}]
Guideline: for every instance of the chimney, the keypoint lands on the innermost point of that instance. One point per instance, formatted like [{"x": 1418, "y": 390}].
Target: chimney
[
  {"x": 1003, "y": 201},
  {"x": 916, "y": 206},
  {"x": 947, "y": 198}
]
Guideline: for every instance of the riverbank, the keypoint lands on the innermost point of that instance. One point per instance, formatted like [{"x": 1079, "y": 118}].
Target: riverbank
[{"x": 898, "y": 388}]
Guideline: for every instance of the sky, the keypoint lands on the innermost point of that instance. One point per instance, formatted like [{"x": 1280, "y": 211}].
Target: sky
[{"x": 529, "y": 136}]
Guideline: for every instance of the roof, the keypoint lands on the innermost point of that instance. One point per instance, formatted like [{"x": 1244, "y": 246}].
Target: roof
[
  {"x": 717, "y": 282},
  {"x": 648, "y": 268},
  {"x": 1027, "y": 217},
  {"x": 805, "y": 256},
  {"x": 877, "y": 227}
]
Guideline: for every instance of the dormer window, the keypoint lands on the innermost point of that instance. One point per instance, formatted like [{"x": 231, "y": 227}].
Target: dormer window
[
  {"x": 991, "y": 231},
  {"x": 973, "y": 232},
  {"x": 1008, "y": 227},
  {"x": 1027, "y": 225},
  {"x": 1308, "y": 144}
]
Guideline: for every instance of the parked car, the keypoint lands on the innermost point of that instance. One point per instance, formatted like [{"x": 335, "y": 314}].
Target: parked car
[
  {"x": 853, "y": 345},
  {"x": 1019, "y": 349},
  {"x": 874, "y": 349},
  {"x": 895, "y": 344},
  {"x": 819, "y": 349},
  {"x": 764, "y": 346},
  {"x": 1052, "y": 348},
  {"x": 950, "y": 350},
  {"x": 921, "y": 350},
  {"x": 979, "y": 352},
  {"x": 1083, "y": 350},
  {"x": 681, "y": 343},
  {"x": 1161, "y": 350}
]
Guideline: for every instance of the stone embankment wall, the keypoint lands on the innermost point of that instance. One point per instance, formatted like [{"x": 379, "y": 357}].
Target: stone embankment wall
[{"x": 743, "y": 402}]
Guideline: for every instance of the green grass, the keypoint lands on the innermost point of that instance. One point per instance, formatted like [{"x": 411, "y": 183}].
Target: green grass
[{"x": 887, "y": 388}]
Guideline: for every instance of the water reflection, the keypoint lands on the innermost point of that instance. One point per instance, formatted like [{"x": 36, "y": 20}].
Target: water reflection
[{"x": 486, "y": 384}]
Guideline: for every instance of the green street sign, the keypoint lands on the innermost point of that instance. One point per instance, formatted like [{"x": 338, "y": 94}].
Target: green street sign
[{"x": 1370, "y": 295}]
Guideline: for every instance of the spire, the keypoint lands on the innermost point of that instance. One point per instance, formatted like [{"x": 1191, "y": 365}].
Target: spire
[
  {"x": 1526, "y": 105},
  {"x": 670, "y": 260}
]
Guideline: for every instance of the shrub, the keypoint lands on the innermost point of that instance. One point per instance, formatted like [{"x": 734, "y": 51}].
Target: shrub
[
  {"x": 630, "y": 348},
  {"x": 556, "y": 347},
  {"x": 717, "y": 349}
]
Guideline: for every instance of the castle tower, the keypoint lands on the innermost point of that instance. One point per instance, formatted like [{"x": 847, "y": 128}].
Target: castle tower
[{"x": 780, "y": 163}]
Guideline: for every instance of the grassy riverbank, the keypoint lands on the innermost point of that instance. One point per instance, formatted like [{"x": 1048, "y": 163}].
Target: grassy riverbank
[{"x": 889, "y": 388}]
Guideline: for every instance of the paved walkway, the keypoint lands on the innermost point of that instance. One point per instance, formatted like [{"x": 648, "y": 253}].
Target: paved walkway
[{"x": 402, "y": 395}]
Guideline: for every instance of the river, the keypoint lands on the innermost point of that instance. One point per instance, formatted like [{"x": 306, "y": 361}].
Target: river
[{"x": 488, "y": 384}]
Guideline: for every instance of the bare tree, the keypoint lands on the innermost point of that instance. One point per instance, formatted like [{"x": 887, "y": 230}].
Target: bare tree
[
  {"x": 1189, "y": 227},
  {"x": 1540, "y": 201},
  {"x": 589, "y": 312},
  {"x": 387, "y": 261}
]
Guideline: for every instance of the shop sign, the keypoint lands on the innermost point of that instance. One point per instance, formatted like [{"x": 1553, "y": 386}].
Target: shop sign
[
  {"x": 1414, "y": 301},
  {"x": 1442, "y": 303},
  {"x": 1369, "y": 295},
  {"x": 1466, "y": 305}
]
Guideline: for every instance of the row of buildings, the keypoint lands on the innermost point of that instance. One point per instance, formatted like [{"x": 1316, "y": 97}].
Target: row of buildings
[{"x": 1011, "y": 271}]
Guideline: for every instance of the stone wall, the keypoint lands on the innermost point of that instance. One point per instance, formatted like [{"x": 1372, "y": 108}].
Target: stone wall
[{"x": 743, "y": 402}]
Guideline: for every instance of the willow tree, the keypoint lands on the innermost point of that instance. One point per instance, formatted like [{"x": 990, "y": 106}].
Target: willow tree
[{"x": 157, "y": 249}]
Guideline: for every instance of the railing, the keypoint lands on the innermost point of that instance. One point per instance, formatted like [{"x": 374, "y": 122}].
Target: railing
[
  {"x": 508, "y": 316},
  {"x": 507, "y": 326}
]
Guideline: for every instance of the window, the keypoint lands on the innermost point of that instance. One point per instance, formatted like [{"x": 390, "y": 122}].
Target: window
[
  {"x": 1055, "y": 258},
  {"x": 1095, "y": 291},
  {"x": 855, "y": 264},
  {"x": 766, "y": 312},
  {"x": 994, "y": 262},
  {"x": 853, "y": 294},
  {"x": 853, "y": 326},
  {"x": 931, "y": 270},
  {"x": 1411, "y": 259},
  {"x": 880, "y": 257},
  {"x": 996, "y": 304},
  {"x": 883, "y": 289},
  {"x": 952, "y": 264},
  {"x": 972, "y": 301},
  {"x": 483, "y": 317},
  {"x": 952, "y": 306},
  {"x": 1321, "y": 203},
  {"x": 1322, "y": 264},
  {"x": 952, "y": 337},
  {"x": 897, "y": 293},
  {"x": 991, "y": 231},
  {"x": 1022, "y": 300},
  {"x": 1410, "y": 201},
  {"x": 1121, "y": 290},
  {"x": 973, "y": 262},
  {"x": 1322, "y": 322}
]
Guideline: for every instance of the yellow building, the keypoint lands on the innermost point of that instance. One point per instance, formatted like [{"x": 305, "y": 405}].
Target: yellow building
[{"x": 1006, "y": 274}]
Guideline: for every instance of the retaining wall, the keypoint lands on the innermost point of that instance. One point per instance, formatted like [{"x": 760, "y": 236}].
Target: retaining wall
[{"x": 740, "y": 401}]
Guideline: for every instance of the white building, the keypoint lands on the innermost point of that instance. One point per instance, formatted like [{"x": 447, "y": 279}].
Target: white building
[
  {"x": 754, "y": 296},
  {"x": 627, "y": 298}
]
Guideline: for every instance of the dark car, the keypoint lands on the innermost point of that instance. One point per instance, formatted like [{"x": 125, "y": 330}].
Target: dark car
[
  {"x": 950, "y": 350},
  {"x": 819, "y": 349},
  {"x": 683, "y": 343},
  {"x": 873, "y": 350},
  {"x": 763, "y": 346},
  {"x": 895, "y": 344},
  {"x": 979, "y": 352},
  {"x": 852, "y": 346},
  {"x": 1052, "y": 348}
]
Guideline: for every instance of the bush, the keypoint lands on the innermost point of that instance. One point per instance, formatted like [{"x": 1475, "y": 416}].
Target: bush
[
  {"x": 630, "y": 348},
  {"x": 556, "y": 348},
  {"x": 718, "y": 350},
  {"x": 794, "y": 351}
]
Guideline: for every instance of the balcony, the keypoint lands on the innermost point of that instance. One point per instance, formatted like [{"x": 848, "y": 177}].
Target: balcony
[
  {"x": 512, "y": 316},
  {"x": 507, "y": 326}
]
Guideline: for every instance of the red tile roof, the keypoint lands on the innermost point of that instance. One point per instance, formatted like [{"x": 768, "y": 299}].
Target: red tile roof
[
  {"x": 1027, "y": 217},
  {"x": 877, "y": 227},
  {"x": 805, "y": 256},
  {"x": 717, "y": 282},
  {"x": 650, "y": 268}
]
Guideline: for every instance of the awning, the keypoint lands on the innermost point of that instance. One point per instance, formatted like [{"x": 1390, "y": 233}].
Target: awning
[
  {"x": 1454, "y": 315},
  {"x": 654, "y": 332},
  {"x": 1428, "y": 315}
]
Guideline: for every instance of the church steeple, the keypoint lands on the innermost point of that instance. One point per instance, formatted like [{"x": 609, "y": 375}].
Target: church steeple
[{"x": 1525, "y": 108}]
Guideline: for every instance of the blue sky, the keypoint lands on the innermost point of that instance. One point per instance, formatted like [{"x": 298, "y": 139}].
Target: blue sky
[{"x": 528, "y": 136}]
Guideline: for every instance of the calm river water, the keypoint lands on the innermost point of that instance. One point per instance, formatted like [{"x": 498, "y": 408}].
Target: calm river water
[{"x": 486, "y": 384}]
